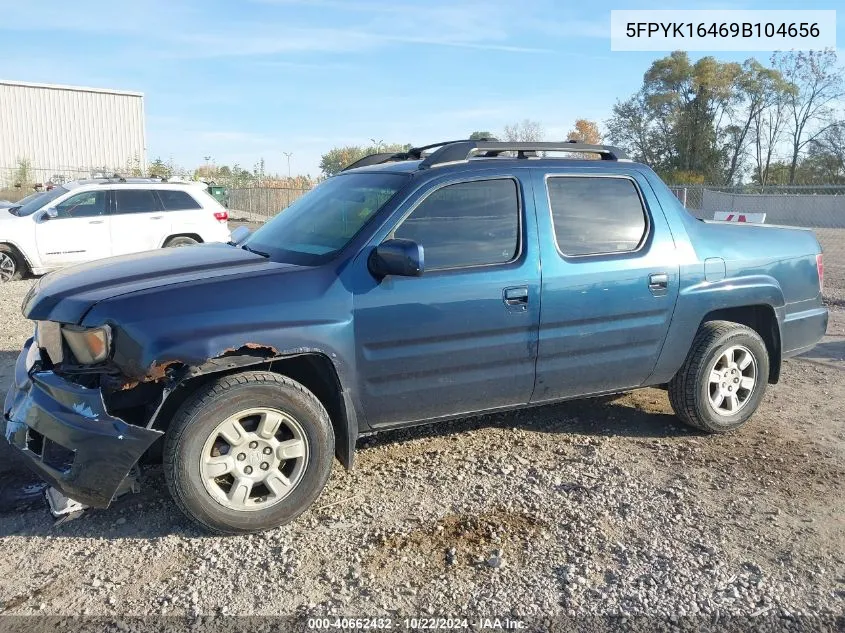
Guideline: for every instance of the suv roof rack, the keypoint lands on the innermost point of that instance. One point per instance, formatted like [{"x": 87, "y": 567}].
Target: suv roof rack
[
  {"x": 414, "y": 153},
  {"x": 118, "y": 179},
  {"x": 463, "y": 150}
]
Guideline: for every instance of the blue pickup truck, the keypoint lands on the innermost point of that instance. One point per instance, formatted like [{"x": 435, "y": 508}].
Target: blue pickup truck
[{"x": 453, "y": 279}]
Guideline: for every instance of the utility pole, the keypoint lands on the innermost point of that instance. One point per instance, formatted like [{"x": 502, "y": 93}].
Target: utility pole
[{"x": 288, "y": 155}]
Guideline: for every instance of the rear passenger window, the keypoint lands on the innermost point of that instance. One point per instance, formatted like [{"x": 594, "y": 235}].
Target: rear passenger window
[
  {"x": 135, "y": 201},
  {"x": 177, "y": 200},
  {"x": 596, "y": 215},
  {"x": 466, "y": 224}
]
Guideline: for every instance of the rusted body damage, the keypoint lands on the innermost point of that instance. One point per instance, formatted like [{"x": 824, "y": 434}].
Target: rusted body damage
[
  {"x": 169, "y": 337},
  {"x": 246, "y": 354}
]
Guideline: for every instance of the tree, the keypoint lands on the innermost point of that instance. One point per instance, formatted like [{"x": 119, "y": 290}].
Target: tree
[
  {"x": 757, "y": 88},
  {"x": 338, "y": 158},
  {"x": 631, "y": 126},
  {"x": 675, "y": 122},
  {"x": 826, "y": 155},
  {"x": 477, "y": 136},
  {"x": 133, "y": 167},
  {"x": 22, "y": 176},
  {"x": 690, "y": 101},
  {"x": 524, "y": 131},
  {"x": 818, "y": 83},
  {"x": 159, "y": 169},
  {"x": 768, "y": 127},
  {"x": 585, "y": 131}
]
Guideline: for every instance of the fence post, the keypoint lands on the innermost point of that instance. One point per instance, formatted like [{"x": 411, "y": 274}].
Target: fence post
[{"x": 684, "y": 200}]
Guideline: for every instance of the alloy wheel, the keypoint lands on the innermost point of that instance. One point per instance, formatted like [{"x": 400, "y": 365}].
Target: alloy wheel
[
  {"x": 254, "y": 459},
  {"x": 7, "y": 267},
  {"x": 732, "y": 379}
]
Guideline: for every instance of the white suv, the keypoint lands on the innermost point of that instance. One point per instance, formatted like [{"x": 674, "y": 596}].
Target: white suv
[{"x": 91, "y": 219}]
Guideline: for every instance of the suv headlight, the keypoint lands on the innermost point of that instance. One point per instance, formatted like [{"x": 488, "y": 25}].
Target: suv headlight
[{"x": 89, "y": 345}]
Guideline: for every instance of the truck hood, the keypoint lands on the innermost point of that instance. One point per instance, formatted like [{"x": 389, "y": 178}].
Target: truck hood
[{"x": 66, "y": 295}]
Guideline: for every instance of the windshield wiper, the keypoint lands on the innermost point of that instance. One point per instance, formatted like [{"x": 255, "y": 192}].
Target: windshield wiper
[{"x": 252, "y": 250}]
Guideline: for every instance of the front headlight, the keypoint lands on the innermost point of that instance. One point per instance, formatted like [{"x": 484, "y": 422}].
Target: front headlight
[{"x": 89, "y": 345}]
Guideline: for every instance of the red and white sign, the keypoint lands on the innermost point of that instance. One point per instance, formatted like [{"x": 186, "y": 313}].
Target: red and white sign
[{"x": 736, "y": 216}]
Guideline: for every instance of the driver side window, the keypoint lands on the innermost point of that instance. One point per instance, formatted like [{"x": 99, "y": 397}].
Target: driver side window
[
  {"x": 83, "y": 205},
  {"x": 472, "y": 223}
]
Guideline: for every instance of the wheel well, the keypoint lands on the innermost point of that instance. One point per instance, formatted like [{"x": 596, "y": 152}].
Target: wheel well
[
  {"x": 193, "y": 236},
  {"x": 761, "y": 319},
  {"x": 314, "y": 371},
  {"x": 19, "y": 254}
]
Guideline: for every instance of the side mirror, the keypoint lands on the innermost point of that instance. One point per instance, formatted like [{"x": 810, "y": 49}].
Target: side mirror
[
  {"x": 50, "y": 214},
  {"x": 240, "y": 234},
  {"x": 403, "y": 258}
]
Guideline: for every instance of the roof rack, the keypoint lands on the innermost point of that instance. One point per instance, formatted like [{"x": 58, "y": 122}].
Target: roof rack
[
  {"x": 371, "y": 159},
  {"x": 463, "y": 150},
  {"x": 414, "y": 153}
]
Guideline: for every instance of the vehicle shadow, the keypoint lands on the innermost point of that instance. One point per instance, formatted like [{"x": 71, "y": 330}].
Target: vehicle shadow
[
  {"x": 599, "y": 416},
  {"x": 828, "y": 350},
  {"x": 151, "y": 514}
]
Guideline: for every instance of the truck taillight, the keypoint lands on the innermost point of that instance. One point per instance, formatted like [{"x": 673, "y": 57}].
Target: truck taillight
[
  {"x": 221, "y": 216},
  {"x": 820, "y": 268}
]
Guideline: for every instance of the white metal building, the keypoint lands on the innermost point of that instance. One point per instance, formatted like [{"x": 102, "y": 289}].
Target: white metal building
[{"x": 69, "y": 131}]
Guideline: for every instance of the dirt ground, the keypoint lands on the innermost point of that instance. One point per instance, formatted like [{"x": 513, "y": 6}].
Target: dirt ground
[{"x": 602, "y": 506}]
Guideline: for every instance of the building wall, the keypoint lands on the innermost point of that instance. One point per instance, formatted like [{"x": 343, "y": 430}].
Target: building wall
[{"x": 69, "y": 130}]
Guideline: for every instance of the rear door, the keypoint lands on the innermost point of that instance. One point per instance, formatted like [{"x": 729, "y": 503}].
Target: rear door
[
  {"x": 80, "y": 232},
  {"x": 610, "y": 281},
  {"x": 185, "y": 214},
  {"x": 138, "y": 221}
]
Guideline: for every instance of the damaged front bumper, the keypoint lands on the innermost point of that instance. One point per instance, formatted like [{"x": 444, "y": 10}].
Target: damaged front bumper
[{"x": 67, "y": 436}]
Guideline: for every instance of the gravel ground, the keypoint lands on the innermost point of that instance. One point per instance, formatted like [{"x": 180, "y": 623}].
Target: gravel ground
[{"x": 603, "y": 506}]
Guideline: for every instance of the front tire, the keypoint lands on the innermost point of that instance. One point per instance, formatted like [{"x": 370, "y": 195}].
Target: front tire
[
  {"x": 723, "y": 378},
  {"x": 12, "y": 267},
  {"x": 248, "y": 452},
  {"x": 182, "y": 240}
]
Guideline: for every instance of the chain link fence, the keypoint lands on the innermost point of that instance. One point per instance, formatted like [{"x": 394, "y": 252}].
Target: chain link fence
[
  {"x": 19, "y": 181},
  {"x": 259, "y": 204}
]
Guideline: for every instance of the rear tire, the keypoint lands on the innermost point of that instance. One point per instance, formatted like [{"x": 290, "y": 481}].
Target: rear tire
[
  {"x": 182, "y": 240},
  {"x": 12, "y": 265},
  {"x": 723, "y": 378},
  {"x": 248, "y": 452}
]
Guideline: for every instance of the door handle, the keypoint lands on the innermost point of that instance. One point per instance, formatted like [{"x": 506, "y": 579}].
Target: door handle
[
  {"x": 516, "y": 297},
  {"x": 95, "y": 222},
  {"x": 658, "y": 282},
  {"x": 156, "y": 217}
]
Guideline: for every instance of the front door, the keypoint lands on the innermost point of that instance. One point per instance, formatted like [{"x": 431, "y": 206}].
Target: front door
[
  {"x": 463, "y": 336},
  {"x": 79, "y": 232},
  {"x": 610, "y": 282}
]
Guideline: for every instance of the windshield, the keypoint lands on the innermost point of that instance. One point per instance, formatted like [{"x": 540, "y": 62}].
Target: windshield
[
  {"x": 33, "y": 202},
  {"x": 323, "y": 221}
]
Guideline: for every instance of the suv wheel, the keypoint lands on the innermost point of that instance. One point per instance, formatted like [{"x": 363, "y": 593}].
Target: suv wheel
[
  {"x": 248, "y": 452},
  {"x": 11, "y": 266},
  {"x": 182, "y": 240},
  {"x": 723, "y": 379}
]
